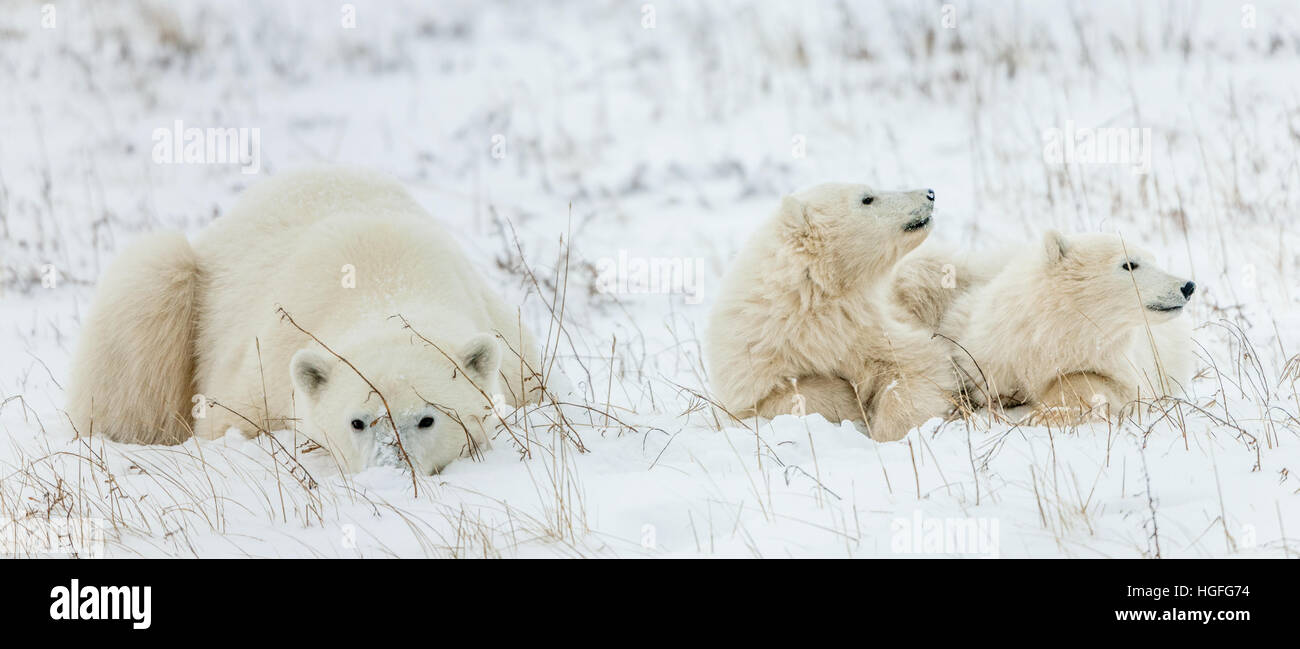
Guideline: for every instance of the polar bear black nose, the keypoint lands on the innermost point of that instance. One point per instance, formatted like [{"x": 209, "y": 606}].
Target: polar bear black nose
[
  {"x": 929, "y": 193},
  {"x": 1188, "y": 289}
]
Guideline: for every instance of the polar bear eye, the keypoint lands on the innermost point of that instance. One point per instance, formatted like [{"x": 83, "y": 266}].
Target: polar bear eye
[
  {"x": 426, "y": 422},
  {"x": 357, "y": 424},
  {"x": 1129, "y": 265},
  {"x": 866, "y": 200}
]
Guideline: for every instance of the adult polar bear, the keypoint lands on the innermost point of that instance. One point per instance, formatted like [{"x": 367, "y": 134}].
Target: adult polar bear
[
  {"x": 1067, "y": 326},
  {"x": 334, "y": 252},
  {"x": 805, "y": 313}
]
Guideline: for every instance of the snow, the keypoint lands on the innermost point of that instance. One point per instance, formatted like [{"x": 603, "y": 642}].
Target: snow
[{"x": 601, "y": 144}]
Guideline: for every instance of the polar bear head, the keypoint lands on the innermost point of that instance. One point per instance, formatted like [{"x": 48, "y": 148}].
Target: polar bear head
[
  {"x": 849, "y": 232},
  {"x": 1104, "y": 278},
  {"x": 437, "y": 401}
]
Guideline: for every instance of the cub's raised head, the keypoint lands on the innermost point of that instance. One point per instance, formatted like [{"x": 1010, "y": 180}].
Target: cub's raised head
[
  {"x": 437, "y": 407},
  {"x": 1101, "y": 275},
  {"x": 856, "y": 227}
]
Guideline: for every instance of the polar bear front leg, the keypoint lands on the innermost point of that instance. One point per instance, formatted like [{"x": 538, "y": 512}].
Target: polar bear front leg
[
  {"x": 830, "y": 396},
  {"x": 1072, "y": 398},
  {"x": 904, "y": 402}
]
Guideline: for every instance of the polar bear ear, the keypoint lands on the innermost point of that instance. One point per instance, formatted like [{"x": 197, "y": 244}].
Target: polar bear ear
[
  {"x": 1054, "y": 246},
  {"x": 480, "y": 357},
  {"x": 794, "y": 211},
  {"x": 310, "y": 371}
]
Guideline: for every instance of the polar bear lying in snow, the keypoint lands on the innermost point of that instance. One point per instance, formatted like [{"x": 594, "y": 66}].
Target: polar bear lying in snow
[
  {"x": 339, "y": 254},
  {"x": 1068, "y": 326}
]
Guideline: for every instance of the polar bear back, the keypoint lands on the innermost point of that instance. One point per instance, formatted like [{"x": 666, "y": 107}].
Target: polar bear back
[
  {"x": 343, "y": 252},
  {"x": 251, "y": 243}
]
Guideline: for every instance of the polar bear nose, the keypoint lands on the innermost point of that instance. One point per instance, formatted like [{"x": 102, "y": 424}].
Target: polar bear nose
[
  {"x": 1188, "y": 289},
  {"x": 929, "y": 193}
]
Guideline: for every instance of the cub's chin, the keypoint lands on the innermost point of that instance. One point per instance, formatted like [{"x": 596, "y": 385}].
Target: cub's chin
[{"x": 914, "y": 233}]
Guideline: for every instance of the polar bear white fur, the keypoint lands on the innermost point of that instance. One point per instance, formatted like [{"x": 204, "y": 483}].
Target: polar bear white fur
[
  {"x": 804, "y": 323},
  {"x": 1081, "y": 324},
  {"x": 294, "y": 308}
]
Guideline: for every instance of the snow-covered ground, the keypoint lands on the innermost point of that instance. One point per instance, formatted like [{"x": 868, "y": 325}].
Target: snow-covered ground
[{"x": 598, "y": 136}]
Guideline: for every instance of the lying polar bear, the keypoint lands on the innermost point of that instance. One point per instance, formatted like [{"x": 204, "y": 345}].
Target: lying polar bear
[
  {"x": 1070, "y": 325},
  {"x": 295, "y": 305},
  {"x": 804, "y": 322}
]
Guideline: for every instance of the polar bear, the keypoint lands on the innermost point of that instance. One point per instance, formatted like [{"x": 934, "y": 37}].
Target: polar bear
[
  {"x": 326, "y": 297},
  {"x": 804, "y": 322},
  {"x": 927, "y": 280},
  {"x": 1081, "y": 324}
]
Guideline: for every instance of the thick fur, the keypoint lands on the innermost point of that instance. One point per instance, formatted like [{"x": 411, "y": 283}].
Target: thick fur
[
  {"x": 928, "y": 279},
  {"x": 805, "y": 317},
  {"x": 290, "y": 243},
  {"x": 1059, "y": 324},
  {"x": 133, "y": 374}
]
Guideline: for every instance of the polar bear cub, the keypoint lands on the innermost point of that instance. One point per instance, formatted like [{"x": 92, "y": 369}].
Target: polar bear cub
[
  {"x": 804, "y": 323},
  {"x": 326, "y": 297},
  {"x": 1087, "y": 322}
]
